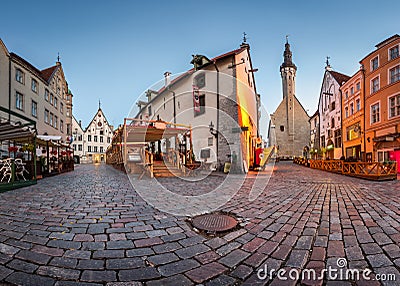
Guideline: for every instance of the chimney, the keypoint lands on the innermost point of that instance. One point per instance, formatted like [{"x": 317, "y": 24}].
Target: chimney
[
  {"x": 80, "y": 123},
  {"x": 167, "y": 77}
]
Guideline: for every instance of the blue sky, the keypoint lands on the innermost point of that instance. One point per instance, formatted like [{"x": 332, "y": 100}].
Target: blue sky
[{"x": 114, "y": 50}]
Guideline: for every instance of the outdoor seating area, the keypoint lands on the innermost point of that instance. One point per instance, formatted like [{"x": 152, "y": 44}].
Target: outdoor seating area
[
  {"x": 53, "y": 156},
  {"x": 26, "y": 156},
  {"x": 365, "y": 170},
  {"x": 149, "y": 147},
  {"x": 18, "y": 145}
]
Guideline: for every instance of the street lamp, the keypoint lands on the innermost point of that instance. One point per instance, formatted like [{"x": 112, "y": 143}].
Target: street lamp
[{"x": 212, "y": 131}]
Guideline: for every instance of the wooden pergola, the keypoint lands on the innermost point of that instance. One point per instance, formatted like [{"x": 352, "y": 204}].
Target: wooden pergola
[{"x": 136, "y": 133}]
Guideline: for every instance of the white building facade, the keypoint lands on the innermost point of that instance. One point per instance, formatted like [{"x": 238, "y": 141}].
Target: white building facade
[
  {"x": 330, "y": 113},
  {"x": 90, "y": 144},
  {"x": 218, "y": 99}
]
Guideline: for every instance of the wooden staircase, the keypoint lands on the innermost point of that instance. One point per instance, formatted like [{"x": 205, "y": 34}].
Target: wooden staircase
[{"x": 162, "y": 169}]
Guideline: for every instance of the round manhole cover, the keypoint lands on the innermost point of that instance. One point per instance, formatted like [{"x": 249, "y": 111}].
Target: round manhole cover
[{"x": 214, "y": 222}]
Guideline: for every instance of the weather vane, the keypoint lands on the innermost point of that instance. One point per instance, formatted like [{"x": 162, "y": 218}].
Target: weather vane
[
  {"x": 327, "y": 60},
  {"x": 58, "y": 57},
  {"x": 287, "y": 38},
  {"x": 244, "y": 37}
]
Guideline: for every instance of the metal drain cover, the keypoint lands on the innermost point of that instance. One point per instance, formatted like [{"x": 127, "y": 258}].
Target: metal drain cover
[{"x": 214, "y": 222}]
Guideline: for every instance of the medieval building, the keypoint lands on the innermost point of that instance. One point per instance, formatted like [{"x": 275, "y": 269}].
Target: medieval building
[
  {"x": 289, "y": 128},
  {"x": 330, "y": 113}
]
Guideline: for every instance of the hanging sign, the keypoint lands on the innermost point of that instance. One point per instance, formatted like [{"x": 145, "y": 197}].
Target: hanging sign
[{"x": 196, "y": 99}]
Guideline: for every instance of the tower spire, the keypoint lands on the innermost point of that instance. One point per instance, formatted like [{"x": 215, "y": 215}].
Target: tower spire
[
  {"x": 99, "y": 104},
  {"x": 287, "y": 55}
]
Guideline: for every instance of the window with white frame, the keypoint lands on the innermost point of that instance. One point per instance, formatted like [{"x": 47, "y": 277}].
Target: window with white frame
[
  {"x": 374, "y": 63},
  {"x": 61, "y": 108},
  {"x": 375, "y": 85},
  {"x": 95, "y": 149},
  {"x": 394, "y": 74},
  {"x": 394, "y": 53},
  {"x": 34, "y": 109},
  {"x": 351, "y": 108},
  {"x": 346, "y": 111},
  {"x": 358, "y": 105},
  {"x": 394, "y": 106},
  {"x": 55, "y": 102},
  {"x": 55, "y": 121},
  {"x": 89, "y": 148},
  {"x": 46, "y": 94},
  {"x": 101, "y": 149},
  {"x": 352, "y": 90},
  {"x": 61, "y": 125},
  {"x": 347, "y": 94},
  {"x": 19, "y": 76},
  {"x": 80, "y": 147},
  {"x": 51, "y": 98},
  {"x": 375, "y": 113},
  {"x": 19, "y": 101},
  {"x": 358, "y": 86},
  {"x": 34, "y": 86}
]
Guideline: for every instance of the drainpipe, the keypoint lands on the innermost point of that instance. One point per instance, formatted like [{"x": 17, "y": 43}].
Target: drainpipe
[
  {"x": 341, "y": 121},
  {"x": 217, "y": 126},
  {"x": 9, "y": 88},
  {"x": 364, "y": 97},
  {"x": 174, "y": 100}
]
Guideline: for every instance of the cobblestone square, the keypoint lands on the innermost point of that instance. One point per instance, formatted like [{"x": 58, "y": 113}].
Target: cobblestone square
[{"x": 90, "y": 227}]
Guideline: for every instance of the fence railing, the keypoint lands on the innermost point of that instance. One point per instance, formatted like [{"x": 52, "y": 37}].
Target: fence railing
[{"x": 366, "y": 170}]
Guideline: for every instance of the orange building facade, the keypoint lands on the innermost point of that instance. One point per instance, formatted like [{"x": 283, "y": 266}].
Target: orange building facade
[
  {"x": 381, "y": 87},
  {"x": 353, "y": 117}
]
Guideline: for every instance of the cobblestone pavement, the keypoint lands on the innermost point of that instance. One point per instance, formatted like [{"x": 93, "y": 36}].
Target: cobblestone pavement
[{"x": 89, "y": 227}]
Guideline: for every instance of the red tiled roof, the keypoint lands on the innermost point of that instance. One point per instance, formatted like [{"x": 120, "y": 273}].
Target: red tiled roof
[
  {"x": 234, "y": 52},
  {"x": 47, "y": 73},
  {"x": 27, "y": 65},
  {"x": 339, "y": 77},
  {"x": 44, "y": 74}
]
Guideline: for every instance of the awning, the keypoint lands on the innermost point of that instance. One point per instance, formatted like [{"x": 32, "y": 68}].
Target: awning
[
  {"x": 11, "y": 131},
  {"x": 151, "y": 133},
  {"x": 49, "y": 137}
]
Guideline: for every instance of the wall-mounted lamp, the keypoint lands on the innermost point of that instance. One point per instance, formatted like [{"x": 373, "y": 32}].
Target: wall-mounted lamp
[{"x": 212, "y": 131}]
